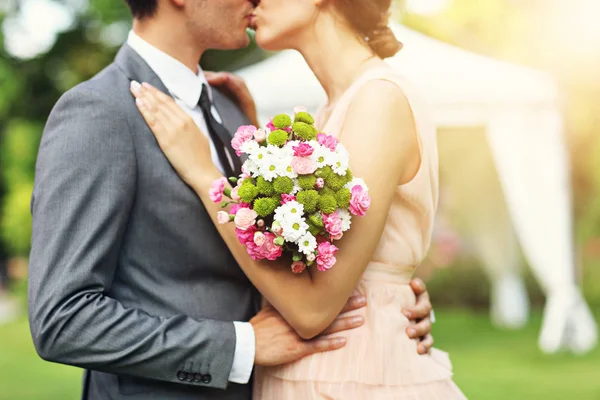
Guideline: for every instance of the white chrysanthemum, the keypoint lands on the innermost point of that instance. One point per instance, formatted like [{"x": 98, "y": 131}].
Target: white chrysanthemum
[
  {"x": 355, "y": 182},
  {"x": 259, "y": 156},
  {"x": 346, "y": 219},
  {"x": 250, "y": 147},
  {"x": 269, "y": 167},
  {"x": 288, "y": 149},
  {"x": 251, "y": 167},
  {"x": 293, "y": 230},
  {"x": 290, "y": 211},
  {"x": 342, "y": 160},
  {"x": 296, "y": 188},
  {"x": 320, "y": 155},
  {"x": 307, "y": 244}
]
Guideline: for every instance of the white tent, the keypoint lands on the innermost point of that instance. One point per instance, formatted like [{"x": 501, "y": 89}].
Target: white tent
[{"x": 518, "y": 111}]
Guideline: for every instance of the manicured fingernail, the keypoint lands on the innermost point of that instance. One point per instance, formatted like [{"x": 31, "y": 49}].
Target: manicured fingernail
[
  {"x": 339, "y": 341},
  {"x": 407, "y": 314},
  {"x": 421, "y": 349},
  {"x": 361, "y": 300},
  {"x": 139, "y": 103},
  {"x": 135, "y": 87},
  {"x": 411, "y": 332},
  {"x": 146, "y": 85},
  {"x": 358, "y": 320}
]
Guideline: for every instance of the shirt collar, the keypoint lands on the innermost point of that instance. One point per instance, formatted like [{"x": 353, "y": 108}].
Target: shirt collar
[{"x": 182, "y": 83}]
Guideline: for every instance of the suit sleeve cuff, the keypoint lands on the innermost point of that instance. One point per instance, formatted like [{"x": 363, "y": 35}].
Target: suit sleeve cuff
[{"x": 243, "y": 358}]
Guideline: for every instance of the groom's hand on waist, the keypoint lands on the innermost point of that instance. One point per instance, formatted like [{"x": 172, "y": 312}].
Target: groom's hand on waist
[
  {"x": 420, "y": 316},
  {"x": 277, "y": 343}
]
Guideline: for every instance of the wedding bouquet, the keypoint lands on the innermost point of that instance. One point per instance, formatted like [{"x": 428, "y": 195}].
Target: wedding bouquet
[{"x": 296, "y": 192}]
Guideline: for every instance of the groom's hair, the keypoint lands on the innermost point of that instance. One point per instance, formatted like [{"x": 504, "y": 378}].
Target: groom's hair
[{"x": 142, "y": 8}]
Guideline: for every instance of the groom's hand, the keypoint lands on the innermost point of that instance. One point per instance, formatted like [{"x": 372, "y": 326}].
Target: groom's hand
[
  {"x": 277, "y": 343},
  {"x": 420, "y": 315}
]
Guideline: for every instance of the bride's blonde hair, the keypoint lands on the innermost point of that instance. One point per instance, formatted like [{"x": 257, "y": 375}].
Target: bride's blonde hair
[{"x": 369, "y": 18}]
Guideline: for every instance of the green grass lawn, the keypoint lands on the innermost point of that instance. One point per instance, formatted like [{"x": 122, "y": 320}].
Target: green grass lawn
[{"x": 489, "y": 364}]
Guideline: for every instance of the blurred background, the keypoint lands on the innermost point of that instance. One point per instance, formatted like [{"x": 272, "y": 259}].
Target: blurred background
[{"x": 514, "y": 270}]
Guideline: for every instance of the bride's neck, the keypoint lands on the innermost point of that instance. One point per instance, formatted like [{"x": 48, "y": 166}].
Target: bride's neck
[{"x": 336, "y": 57}]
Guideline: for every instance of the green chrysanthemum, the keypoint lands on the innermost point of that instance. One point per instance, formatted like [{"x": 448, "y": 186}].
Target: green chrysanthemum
[
  {"x": 309, "y": 199},
  {"x": 304, "y": 117},
  {"x": 248, "y": 181},
  {"x": 326, "y": 191},
  {"x": 278, "y": 138},
  {"x": 248, "y": 192},
  {"x": 283, "y": 185},
  {"x": 307, "y": 182},
  {"x": 304, "y": 131},
  {"x": 264, "y": 187},
  {"x": 325, "y": 172},
  {"x": 348, "y": 175},
  {"x": 316, "y": 219},
  {"x": 314, "y": 230},
  {"x": 265, "y": 206},
  {"x": 335, "y": 182},
  {"x": 282, "y": 121},
  {"x": 327, "y": 204},
  {"x": 342, "y": 197}
]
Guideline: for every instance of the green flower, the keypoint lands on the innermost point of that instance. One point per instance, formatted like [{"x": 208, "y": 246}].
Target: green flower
[
  {"x": 278, "y": 138},
  {"x": 282, "y": 121},
  {"x": 342, "y": 197},
  {"x": 248, "y": 181},
  {"x": 314, "y": 230},
  {"x": 327, "y": 204},
  {"x": 316, "y": 219},
  {"x": 326, "y": 191},
  {"x": 325, "y": 172},
  {"x": 335, "y": 182},
  {"x": 264, "y": 187},
  {"x": 309, "y": 199},
  {"x": 248, "y": 192},
  {"x": 304, "y": 117},
  {"x": 304, "y": 131},
  {"x": 307, "y": 182},
  {"x": 283, "y": 185},
  {"x": 349, "y": 175},
  {"x": 265, "y": 206}
]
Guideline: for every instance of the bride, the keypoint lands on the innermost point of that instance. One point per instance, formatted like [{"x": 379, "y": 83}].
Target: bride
[{"x": 380, "y": 120}]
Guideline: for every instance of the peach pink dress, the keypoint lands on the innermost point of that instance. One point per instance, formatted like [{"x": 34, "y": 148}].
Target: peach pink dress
[{"x": 379, "y": 360}]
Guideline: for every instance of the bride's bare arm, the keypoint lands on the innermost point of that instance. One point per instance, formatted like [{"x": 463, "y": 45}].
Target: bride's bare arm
[{"x": 380, "y": 136}]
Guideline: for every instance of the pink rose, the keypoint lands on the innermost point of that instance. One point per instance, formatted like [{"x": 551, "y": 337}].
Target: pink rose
[
  {"x": 333, "y": 224},
  {"x": 286, "y": 198},
  {"x": 299, "y": 109},
  {"x": 259, "y": 238},
  {"x": 223, "y": 217},
  {"x": 326, "y": 258},
  {"x": 243, "y": 135},
  {"x": 245, "y": 218},
  {"x": 234, "y": 194},
  {"x": 303, "y": 165},
  {"x": 246, "y": 236},
  {"x": 260, "y": 135},
  {"x": 327, "y": 140},
  {"x": 303, "y": 150},
  {"x": 215, "y": 192},
  {"x": 360, "y": 201},
  {"x": 320, "y": 183},
  {"x": 298, "y": 267}
]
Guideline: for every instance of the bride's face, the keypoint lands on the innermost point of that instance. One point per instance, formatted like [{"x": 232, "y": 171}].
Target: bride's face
[{"x": 279, "y": 24}]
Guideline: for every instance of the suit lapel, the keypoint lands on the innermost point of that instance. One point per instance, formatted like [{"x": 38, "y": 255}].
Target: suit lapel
[{"x": 135, "y": 68}]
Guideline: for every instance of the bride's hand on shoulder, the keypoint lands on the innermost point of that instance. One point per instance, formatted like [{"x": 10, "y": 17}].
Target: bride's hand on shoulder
[{"x": 178, "y": 136}]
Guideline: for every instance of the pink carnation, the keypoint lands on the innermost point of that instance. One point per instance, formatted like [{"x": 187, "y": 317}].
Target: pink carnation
[
  {"x": 268, "y": 249},
  {"x": 246, "y": 236},
  {"x": 259, "y": 238},
  {"x": 223, "y": 217},
  {"x": 243, "y": 135},
  {"x": 320, "y": 183},
  {"x": 360, "y": 201},
  {"x": 303, "y": 165},
  {"x": 286, "y": 198},
  {"x": 215, "y": 193},
  {"x": 326, "y": 257},
  {"x": 327, "y": 140},
  {"x": 236, "y": 207},
  {"x": 234, "y": 194},
  {"x": 245, "y": 218},
  {"x": 303, "y": 150},
  {"x": 260, "y": 135},
  {"x": 298, "y": 267},
  {"x": 270, "y": 126},
  {"x": 333, "y": 224}
]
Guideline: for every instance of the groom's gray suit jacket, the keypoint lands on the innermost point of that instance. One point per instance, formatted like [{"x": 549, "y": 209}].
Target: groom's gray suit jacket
[{"x": 129, "y": 279}]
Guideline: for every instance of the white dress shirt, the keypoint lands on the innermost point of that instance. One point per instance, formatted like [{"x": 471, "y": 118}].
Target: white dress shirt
[{"x": 186, "y": 87}]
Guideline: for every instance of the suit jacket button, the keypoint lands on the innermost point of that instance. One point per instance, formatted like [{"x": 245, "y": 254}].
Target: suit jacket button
[
  {"x": 181, "y": 375},
  {"x": 207, "y": 379},
  {"x": 189, "y": 376},
  {"x": 198, "y": 377}
]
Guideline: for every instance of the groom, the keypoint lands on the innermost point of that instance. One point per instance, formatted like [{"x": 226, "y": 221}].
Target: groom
[{"x": 129, "y": 279}]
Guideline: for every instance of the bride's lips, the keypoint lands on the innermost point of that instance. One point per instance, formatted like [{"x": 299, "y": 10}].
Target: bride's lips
[{"x": 252, "y": 21}]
